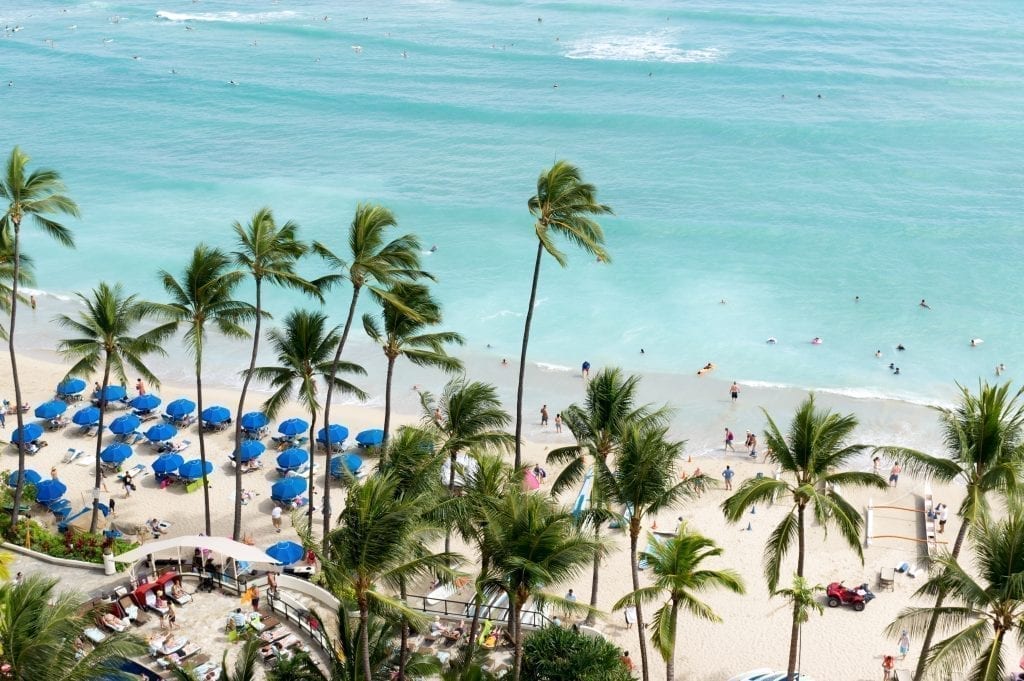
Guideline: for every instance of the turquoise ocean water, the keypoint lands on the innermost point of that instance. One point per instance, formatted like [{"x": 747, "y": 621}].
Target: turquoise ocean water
[{"x": 699, "y": 121}]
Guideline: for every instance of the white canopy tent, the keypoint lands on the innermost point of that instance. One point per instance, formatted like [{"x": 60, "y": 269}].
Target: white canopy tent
[{"x": 222, "y": 545}]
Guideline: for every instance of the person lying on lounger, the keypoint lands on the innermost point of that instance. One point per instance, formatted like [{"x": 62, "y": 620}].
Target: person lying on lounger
[{"x": 114, "y": 622}]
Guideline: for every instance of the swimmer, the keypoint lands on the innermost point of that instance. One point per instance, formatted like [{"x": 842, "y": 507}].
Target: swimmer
[
  {"x": 900, "y": 347},
  {"x": 136, "y": 57},
  {"x": 433, "y": 249},
  {"x": 816, "y": 340},
  {"x": 642, "y": 351},
  {"x": 856, "y": 299},
  {"x": 189, "y": 28},
  {"x": 878, "y": 353},
  {"x": 897, "y": 372},
  {"x": 358, "y": 49},
  {"x": 924, "y": 304},
  {"x": 723, "y": 301},
  {"x": 504, "y": 362},
  {"x": 771, "y": 340},
  {"x": 975, "y": 342},
  {"x": 405, "y": 55},
  {"x": 999, "y": 370},
  {"x": 892, "y": 365},
  {"x": 231, "y": 82},
  {"x": 555, "y": 85}
]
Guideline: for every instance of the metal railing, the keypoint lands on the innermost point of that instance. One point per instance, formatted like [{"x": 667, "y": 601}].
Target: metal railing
[{"x": 449, "y": 608}]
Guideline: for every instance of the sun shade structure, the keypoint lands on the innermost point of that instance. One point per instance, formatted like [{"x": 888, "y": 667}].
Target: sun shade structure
[
  {"x": 180, "y": 407},
  {"x": 116, "y": 453},
  {"x": 222, "y": 545},
  {"x": 254, "y": 420},
  {"x": 51, "y": 409},
  {"x": 215, "y": 415},
  {"x": 370, "y": 438},
  {"x": 145, "y": 402},
  {"x": 89, "y": 416},
  {"x": 125, "y": 424},
  {"x": 72, "y": 386},
  {"x": 161, "y": 432},
  {"x": 292, "y": 427},
  {"x": 28, "y": 433}
]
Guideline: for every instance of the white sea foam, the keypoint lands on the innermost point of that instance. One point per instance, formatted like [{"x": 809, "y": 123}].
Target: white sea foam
[
  {"x": 501, "y": 313},
  {"x": 854, "y": 393},
  {"x": 649, "y": 47},
  {"x": 39, "y": 293},
  {"x": 544, "y": 366},
  {"x": 229, "y": 17}
]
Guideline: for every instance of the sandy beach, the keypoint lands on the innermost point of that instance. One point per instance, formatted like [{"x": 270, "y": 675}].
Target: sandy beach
[{"x": 842, "y": 645}]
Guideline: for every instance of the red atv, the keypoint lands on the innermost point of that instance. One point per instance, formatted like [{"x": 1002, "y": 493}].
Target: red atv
[{"x": 840, "y": 595}]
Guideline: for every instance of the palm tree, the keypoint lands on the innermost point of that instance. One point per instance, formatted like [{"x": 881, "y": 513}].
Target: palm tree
[
  {"x": 37, "y": 628},
  {"x": 533, "y": 545},
  {"x": 609, "y": 410},
  {"x": 246, "y": 664},
  {"x": 804, "y": 599},
  {"x": 266, "y": 252},
  {"x": 645, "y": 481},
  {"x": 372, "y": 264},
  {"x": 25, "y": 277},
  {"x": 563, "y": 205},
  {"x": 376, "y": 545},
  {"x": 983, "y": 435},
  {"x": 106, "y": 337},
  {"x": 303, "y": 348},
  {"x": 813, "y": 454},
  {"x": 36, "y": 196},
  {"x": 406, "y": 313},
  {"x": 679, "y": 575},
  {"x": 989, "y": 603},
  {"x": 203, "y": 296}
]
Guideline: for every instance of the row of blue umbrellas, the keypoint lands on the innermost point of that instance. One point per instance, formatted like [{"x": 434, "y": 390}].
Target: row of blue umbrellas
[{"x": 171, "y": 463}]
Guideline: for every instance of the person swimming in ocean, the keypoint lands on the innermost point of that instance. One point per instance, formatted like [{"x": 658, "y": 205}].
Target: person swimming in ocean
[
  {"x": 925, "y": 305},
  {"x": 433, "y": 249},
  {"x": 900, "y": 347}
]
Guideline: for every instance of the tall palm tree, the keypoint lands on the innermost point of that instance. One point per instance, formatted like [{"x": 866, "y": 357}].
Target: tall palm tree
[
  {"x": 36, "y": 196},
  {"x": 562, "y": 206},
  {"x": 303, "y": 349},
  {"x": 813, "y": 456},
  {"x": 406, "y": 313},
  {"x": 804, "y": 599},
  {"x": 609, "y": 410},
  {"x": 37, "y": 627},
  {"x": 533, "y": 545},
  {"x": 984, "y": 438},
  {"x": 204, "y": 295},
  {"x": 25, "y": 277},
  {"x": 266, "y": 252},
  {"x": 989, "y": 603},
  {"x": 371, "y": 548},
  {"x": 106, "y": 337},
  {"x": 373, "y": 264},
  {"x": 645, "y": 481},
  {"x": 680, "y": 576}
]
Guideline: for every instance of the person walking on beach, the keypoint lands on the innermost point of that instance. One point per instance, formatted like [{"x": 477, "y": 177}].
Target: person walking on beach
[
  {"x": 128, "y": 485},
  {"x": 728, "y": 440},
  {"x": 586, "y": 369},
  {"x": 888, "y": 662},
  {"x": 275, "y": 518},
  {"x": 943, "y": 517},
  {"x": 727, "y": 476},
  {"x": 904, "y": 644},
  {"x": 140, "y": 387},
  {"x": 876, "y": 466},
  {"x": 734, "y": 391},
  {"x": 558, "y": 423},
  {"x": 544, "y": 415},
  {"x": 752, "y": 443},
  {"x": 894, "y": 475}
]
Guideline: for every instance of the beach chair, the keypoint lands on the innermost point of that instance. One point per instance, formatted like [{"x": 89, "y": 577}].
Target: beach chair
[
  {"x": 887, "y": 579},
  {"x": 72, "y": 455},
  {"x": 59, "y": 422}
]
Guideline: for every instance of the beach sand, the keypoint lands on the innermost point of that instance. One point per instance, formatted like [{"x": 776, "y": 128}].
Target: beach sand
[{"x": 841, "y": 645}]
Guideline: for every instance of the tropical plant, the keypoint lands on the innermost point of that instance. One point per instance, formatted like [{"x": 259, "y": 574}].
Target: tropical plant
[
  {"x": 25, "y": 277},
  {"x": 988, "y": 604},
  {"x": 407, "y": 311},
  {"x": 533, "y": 545},
  {"x": 645, "y": 481},
  {"x": 106, "y": 337},
  {"x": 812, "y": 458},
  {"x": 202, "y": 296},
  {"x": 35, "y": 196},
  {"x": 598, "y": 425},
  {"x": 372, "y": 547},
  {"x": 556, "y": 654},
  {"x": 803, "y": 598},
  {"x": 680, "y": 576},
  {"x": 297, "y": 667},
  {"x": 984, "y": 439},
  {"x": 562, "y": 206},
  {"x": 372, "y": 264},
  {"x": 37, "y": 628},
  {"x": 303, "y": 351},
  {"x": 266, "y": 252}
]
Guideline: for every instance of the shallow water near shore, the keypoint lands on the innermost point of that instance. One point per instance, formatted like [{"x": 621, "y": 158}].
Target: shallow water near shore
[{"x": 701, "y": 125}]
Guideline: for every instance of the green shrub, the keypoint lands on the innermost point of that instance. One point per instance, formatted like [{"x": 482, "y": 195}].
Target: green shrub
[
  {"x": 556, "y": 654},
  {"x": 74, "y": 545}
]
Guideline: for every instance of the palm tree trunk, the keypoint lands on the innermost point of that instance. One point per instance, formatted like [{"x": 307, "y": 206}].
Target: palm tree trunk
[
  {"x": 634, "y": 536},
  {"x": 522, "y": 357},
  {"x": 364, "y": 637},
  {"x": 202, "y": 439},
  {"x": 794, "y": 637},
  {"x": 387, "y": 399},
  {"x": 478, "y": 601},
  {"x": 236, "y": 531},
  {"x": 926, "y": 644},
  {"x": 14, "y": 372},
  {"x": 451, "y": 493},
  {"x": 327, "y": 410},
  {"x": 517, "y": 639},
  {"x": 670, "y": 662},
  {"x": 99, "y": 446},
  {"x": 312, "y": 460},
  {"x": 403, "y": 655},
  {"x": 592, "y": 616}
]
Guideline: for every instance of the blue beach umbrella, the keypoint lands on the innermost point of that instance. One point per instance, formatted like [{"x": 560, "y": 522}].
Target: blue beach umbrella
[
  {"x": 30, "y": 431},
  {"x": 114, "y": 392},
  {"x": 71, "y": 386},
  {"x": 338, "y": 434},
  {"x": 50, "y": 490},
  {"x": 116, "y": 453},
  {"x": 215, "y": 414},
  {"x": 370, "y": 438},
  {"x": 194, "y": 469},
  {"x": 60, "y": 506},
  {"x": 292, "y": 458},
  {"x": 31, "y": 478},
  {"x": 251, "y": 449},
  {"x": 124, "y": 424},
  {"x": 161, "y": 432},
  {"x": 145, "y": 402},
  {"x": 167, "y": 463},
  {"x": 352, "y": 462},
  {"x": 51, "y": 409},
  {"x": 254, "y": 420},
  {"x": 180, "y": 407},
  {"x": 287, "y": 489},
  {"x": 292, "y": 427},
  {"x": 89, "y": 416},
  {"x": 286, "y": 552}
]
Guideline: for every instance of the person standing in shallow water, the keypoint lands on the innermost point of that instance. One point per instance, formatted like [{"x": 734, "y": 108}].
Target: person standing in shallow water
[
  {"x": 544, "y": 415},
  {"x": 734, "y": 391},
  {"x": 586, "y": 369}
]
